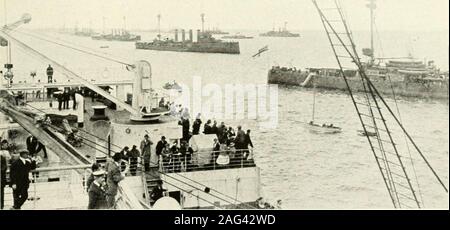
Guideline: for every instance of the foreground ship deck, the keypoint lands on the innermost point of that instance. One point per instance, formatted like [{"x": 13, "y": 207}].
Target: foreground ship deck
[{"x": 62, "y": 186}]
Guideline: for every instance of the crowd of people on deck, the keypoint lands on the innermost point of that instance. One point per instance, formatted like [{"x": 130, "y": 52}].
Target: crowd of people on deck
[{"x": 20, "y": 161}]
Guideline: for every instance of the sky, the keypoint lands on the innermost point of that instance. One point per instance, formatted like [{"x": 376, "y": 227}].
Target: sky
[{"x": 410, "y": 15}]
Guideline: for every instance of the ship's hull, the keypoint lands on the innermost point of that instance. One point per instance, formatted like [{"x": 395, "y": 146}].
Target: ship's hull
[
  {"x": 131, "y": 39},
  {"x": 431, "y": 89},
  {"x": 280, "y": 36},
  {"x": 204, "y": 47}
]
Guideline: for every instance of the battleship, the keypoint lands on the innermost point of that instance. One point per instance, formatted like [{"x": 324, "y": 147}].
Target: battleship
[
  {"x": 205, "y": 43},
  {"x": 118, "y": 35},
  {"x": 280, "y": 33},
  {"x": 405, "y": 77},
  {"x": 91, "y": 131}
]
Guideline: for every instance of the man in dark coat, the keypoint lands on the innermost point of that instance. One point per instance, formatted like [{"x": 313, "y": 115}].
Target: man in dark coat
[
  {"x": 73, "y": 96},
  {"x": 20, "y": 169},
  {"x": 240, "y": 138},
  {"x": 247, "y": 142},
  {"x": 3, "y": 167},
  {"x": 214, "y": 128},
  {"x": 113, "y": 177},
  {"x": 66, "y": 99},
  {"x": 97, "y": 193},
  {"x": 196, "y": 125},
  {"x": 146, "y": 151},
  {"x": 34, "y": 146},
  {"x": 160, "y": 145},
  {"x": 208, "y": 128}
]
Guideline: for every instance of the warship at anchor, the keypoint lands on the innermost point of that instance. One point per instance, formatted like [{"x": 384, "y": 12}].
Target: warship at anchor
[
  {"x": 405, "y": 77},
  {"x": 205, "y": 43}
]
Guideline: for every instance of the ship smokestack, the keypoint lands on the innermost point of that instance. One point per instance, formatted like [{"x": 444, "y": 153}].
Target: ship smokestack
[
  {"x": 183, "y": 35},
  {"x": 176, "y": 35},
  {"x": 199, "y": 34},
  {"x": 191, "y": 36}
]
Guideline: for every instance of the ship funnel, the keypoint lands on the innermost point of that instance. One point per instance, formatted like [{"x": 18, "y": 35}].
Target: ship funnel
[
  {"x": 198, "y": 35},
  {"x": 183, "y": 35},
  {"x": 191, "y": 36},
  {"x": 176, "y": 35}
]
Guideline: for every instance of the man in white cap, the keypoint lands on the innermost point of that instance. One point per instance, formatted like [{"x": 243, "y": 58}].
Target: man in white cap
[
  {"x": 97, "y": 192},
  {"x": 19, "y": 175}
]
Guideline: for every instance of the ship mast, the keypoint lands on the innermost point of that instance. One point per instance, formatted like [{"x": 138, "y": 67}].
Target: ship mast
[
  {"x": 124, "y": 23},
  {"x": 159, "y": 26},
  {"x": 203, "y": 22},
  {"x": 104, "y": 29},
  {"x": 372, "y": 6}
]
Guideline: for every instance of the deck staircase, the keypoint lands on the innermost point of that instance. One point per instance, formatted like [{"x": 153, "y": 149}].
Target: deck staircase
[{"x": 150, "y": 180}]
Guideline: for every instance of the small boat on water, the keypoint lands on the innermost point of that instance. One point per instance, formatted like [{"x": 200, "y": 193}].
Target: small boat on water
[
  {"x": 324, "y": 128},
  {"x": 104, "y": 47},
  {"x": 366, "y": 134}
]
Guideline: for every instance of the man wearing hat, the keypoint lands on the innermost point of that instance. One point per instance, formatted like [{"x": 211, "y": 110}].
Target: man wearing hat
[
  {"x": 97, "y": 194},
  {"x": 146, "y": 151},
  {"x": 19, "y": 175},
  {"x": 113, "y": 177}
]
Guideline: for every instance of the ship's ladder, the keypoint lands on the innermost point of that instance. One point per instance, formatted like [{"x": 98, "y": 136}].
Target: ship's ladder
[{"x": 374, "y": 113}]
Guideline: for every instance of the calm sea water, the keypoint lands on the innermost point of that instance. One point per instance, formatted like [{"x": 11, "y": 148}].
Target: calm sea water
[{"x": 305, "y": 170}]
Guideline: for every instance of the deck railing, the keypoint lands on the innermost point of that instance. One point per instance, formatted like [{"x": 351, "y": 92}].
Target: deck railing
[{"x": 207, "y": 160}]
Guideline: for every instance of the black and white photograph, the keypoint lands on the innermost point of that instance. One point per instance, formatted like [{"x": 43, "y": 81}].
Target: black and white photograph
[{"x": 224, "y": 105}]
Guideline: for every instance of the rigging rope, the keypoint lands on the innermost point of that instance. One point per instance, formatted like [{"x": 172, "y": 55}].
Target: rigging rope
[{"x": 400, "y": 118}]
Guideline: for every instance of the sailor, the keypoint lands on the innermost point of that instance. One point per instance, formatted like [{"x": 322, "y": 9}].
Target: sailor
[
  {"x": 50, "y": 73},
  {"x": 20, "y": 169},
  {"x": 97, "y": 193},
  {"x": 113, "y": 177},
  {"x": 146, "y": 151}
]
